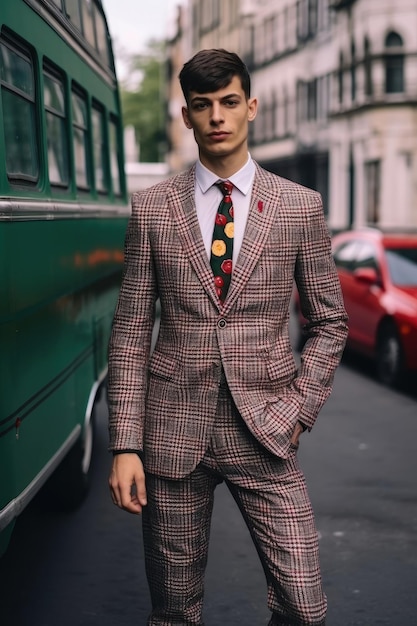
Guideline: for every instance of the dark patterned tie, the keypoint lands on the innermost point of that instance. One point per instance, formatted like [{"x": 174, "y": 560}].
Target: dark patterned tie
[{"x": 222, "y": 246}]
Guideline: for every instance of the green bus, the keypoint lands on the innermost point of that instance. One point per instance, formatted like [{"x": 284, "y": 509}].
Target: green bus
[{"x": 63, "y": 215}]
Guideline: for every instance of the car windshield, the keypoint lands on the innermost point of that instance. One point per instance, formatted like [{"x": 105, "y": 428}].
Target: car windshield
[{"x": 402, "y": 264}]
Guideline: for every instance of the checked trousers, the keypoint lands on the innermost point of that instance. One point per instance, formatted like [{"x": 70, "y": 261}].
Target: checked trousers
[{"x": 272, "y": 497}]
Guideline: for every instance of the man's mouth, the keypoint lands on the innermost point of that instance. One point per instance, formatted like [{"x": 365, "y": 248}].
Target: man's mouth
[{"x": 218, "y": 135}]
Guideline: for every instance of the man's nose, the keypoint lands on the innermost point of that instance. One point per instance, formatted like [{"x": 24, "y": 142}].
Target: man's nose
[{"x": 216, "y": 113}]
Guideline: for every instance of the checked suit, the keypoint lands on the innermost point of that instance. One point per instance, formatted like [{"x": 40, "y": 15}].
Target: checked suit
[{"x": 221, "y": 390}]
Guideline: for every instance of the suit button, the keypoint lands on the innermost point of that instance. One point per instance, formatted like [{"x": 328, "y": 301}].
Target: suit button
[{"x": 221, "y": 323}]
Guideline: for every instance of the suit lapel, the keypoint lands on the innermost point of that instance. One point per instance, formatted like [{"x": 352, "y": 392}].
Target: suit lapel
[
  {"x": 262, "y": 213},
  {"x": 182, "y": 206}
]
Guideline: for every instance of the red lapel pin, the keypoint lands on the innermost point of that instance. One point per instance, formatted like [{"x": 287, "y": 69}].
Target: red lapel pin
[{"x": 260, "y": 206}]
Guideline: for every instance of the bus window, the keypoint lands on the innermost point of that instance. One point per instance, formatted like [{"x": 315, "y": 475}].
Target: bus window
[
  {"x": 73, "y": 12},
  {"x": 88, "y": 24},
  {"x": 81, "y": 143},
  {"x": 18, "y": 99},
  {"x": 114, "y": 159},
  {"x": 99, "y": 150},
  {"x": 54, "y": 99},
  {"x": 101, "y": 33}
]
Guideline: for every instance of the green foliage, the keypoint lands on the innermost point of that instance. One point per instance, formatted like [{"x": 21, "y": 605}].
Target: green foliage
[{"x": 143, "y": 102}]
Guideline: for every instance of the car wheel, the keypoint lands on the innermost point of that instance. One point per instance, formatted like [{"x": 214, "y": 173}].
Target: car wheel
[{"x": 389, "y": 359}]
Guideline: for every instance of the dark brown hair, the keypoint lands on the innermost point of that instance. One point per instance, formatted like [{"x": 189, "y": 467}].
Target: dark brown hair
[{"x": 211, "y": 70}]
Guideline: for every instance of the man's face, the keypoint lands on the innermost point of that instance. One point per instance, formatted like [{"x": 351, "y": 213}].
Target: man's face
[{"x": 220, "y": 121}]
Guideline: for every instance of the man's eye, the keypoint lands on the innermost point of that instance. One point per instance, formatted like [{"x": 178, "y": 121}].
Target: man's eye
[
  {"x": 199, "y": 106},
  {"x": 231, "y": 103}
]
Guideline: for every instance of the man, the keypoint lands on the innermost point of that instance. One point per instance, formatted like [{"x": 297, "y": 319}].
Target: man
[{"x": 220, "y": 398}]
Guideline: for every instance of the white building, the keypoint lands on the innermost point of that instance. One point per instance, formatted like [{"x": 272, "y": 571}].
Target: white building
[{"x": 337, "y": 88}]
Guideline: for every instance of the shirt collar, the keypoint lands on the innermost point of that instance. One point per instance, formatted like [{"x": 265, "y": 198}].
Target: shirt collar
[{"x": 242, "y": 179}]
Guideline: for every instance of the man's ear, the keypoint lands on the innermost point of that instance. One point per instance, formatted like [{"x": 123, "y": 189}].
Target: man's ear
[
  {"x": 252, "y": 108},
  {"x": 185, "y": 117}
]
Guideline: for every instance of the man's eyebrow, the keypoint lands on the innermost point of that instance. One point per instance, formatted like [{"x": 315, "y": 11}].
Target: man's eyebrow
[
  {"x": 199, "y": 98},
  {"x": 207, "y": 99}
]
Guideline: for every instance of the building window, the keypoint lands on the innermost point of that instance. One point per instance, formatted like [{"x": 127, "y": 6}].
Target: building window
[
  {"x": 209, "y": 15},
  {"x": 394, "y": 63},
  {"x": 56, "y": 124},
  {"x": 19, "y": 119},
  {"x": 270, "y": 118},
  {"x": 323, "y": 97},
  {"x": 274, "y": 115},
  {"x": 277, "y": 117},
  {"x": 276, "y": 35},
  {"x": 258, "y": 47},
  {"x": 301, "y": 101},
  {"x": 302, "y": 20},
  {"x": 323, "y": 19},
  {"x": 312, "y": 17},
  {"x": 340, "y": 76},
  {"x": 195, "y": 23},
  {"x": 286, "y": 26},
  {"x": 312, "y": 100},
  {"x": 307, "y": 19},
  {"x": 368, "y": 67},
  {"x": 269, "y": 38},
  {"x": 353, "y": 72},
  {"x": 259, "y": 125},
  {"x": 373, "y": 181},
  {"x": 285, "y": 114}
]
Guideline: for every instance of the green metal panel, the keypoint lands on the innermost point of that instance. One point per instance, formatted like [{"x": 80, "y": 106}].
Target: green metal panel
[
  {"x": 61, "y": 258},
  {"x": 55, "y": 320},
  {"x": 56, "y": 308}
]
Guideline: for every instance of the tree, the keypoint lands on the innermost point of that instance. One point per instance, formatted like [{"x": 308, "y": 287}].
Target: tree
[{"x": 143, "y": 103}]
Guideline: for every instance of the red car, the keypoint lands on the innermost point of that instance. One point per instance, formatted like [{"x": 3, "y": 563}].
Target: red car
[{"x": 378, "y": 275}]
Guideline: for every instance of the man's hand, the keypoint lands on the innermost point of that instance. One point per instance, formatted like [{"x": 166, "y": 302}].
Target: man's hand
[
  {"x": 127, "y": 482},
  {"x": 296, "y": 434}
]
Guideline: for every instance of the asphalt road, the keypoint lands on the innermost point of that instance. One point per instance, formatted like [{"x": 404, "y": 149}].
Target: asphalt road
[{"x": 86, "y": 568}]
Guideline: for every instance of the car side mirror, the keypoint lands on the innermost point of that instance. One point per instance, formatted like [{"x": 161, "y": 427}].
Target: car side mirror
[{"x": 366, "y": 275}]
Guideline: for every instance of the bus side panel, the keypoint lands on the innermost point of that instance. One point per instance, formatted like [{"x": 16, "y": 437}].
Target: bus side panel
[
  {"x": 65, "y": 277},
  {"x": 62, "y": 225},
  {"x": 8, "y": 372}
]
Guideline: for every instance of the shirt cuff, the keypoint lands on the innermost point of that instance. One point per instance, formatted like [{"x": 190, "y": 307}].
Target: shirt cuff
[{"x": 127, "y": 451}]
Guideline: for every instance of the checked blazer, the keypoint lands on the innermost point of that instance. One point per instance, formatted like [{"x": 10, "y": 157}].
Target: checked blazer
[{"x": 164, "y": 403}]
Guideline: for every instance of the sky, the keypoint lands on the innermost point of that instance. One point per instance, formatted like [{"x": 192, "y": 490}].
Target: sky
[{"x": 132, "y": 23}]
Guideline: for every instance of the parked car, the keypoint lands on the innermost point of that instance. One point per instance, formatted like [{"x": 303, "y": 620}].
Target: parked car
[{"x": 378, "y": 275}]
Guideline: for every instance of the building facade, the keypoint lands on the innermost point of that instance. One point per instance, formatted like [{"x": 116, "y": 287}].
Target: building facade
[{"x": 337, "y": 88}]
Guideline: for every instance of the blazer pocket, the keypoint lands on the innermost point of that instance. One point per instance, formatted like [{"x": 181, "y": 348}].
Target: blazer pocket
[
  {"x": 280, "y": 416},
  {"x": 162, "y": 366}
]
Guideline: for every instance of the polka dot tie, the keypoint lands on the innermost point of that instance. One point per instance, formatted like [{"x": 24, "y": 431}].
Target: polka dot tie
[{"x": 222, "y": 245}]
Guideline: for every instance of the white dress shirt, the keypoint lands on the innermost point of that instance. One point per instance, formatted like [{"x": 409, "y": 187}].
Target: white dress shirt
[{"x": 208, "y": 197}]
